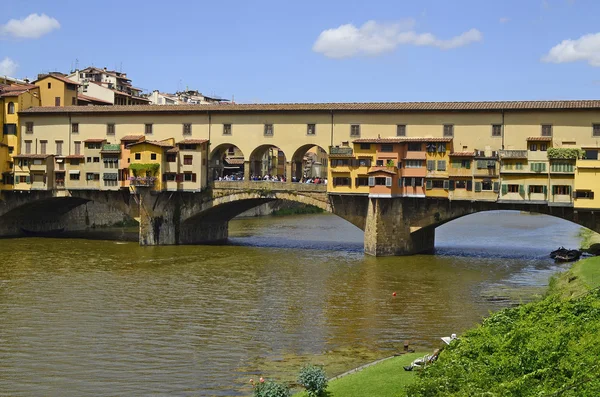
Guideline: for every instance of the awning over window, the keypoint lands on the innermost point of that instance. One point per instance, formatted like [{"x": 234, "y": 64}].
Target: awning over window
[{"x": 73, "y": 172}]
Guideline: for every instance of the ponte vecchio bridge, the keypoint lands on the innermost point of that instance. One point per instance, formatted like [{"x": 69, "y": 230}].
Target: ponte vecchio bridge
[{"x": 395, "y": 170}]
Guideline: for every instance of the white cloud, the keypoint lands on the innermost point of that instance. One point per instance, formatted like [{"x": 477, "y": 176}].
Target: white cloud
[
  {"x": 8, "y": 67},
  {"x": 33, "y": 26},
  {"x": 375, "y": 38},
  {"x": 504, "y": 20},
  {"x": 586, "y": 48}
]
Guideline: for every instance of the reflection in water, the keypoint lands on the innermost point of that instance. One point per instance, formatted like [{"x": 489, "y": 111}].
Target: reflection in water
[{"x": 97, "y": 318}]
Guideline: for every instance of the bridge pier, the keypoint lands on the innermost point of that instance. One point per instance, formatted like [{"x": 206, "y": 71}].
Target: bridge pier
[{"x": 388, "y": 229}]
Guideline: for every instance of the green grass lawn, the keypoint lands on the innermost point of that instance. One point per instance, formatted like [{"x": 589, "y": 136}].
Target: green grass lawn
[
  {"x": 588, "y": 270},
  {"x": 580, "y": 278},
  {"x": 386, "y": 379}
]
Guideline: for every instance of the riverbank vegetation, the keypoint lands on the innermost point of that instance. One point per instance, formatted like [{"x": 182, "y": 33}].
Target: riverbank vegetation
[
  {"x": 544, "y": 348},
  {"x": 588, "y": 238},
  {"x": 298, "y": 210}
]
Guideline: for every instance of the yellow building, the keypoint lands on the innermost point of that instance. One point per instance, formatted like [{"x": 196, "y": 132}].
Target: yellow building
[
  {"x": 587, "y": 180},
  {"x": 13, "y": 99},
  {"x": 56, "y": 90},
  {"x": 147, "y": 162}
]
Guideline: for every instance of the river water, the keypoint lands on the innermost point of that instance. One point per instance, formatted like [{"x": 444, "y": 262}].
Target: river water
[{"x": 101, "y": 318}]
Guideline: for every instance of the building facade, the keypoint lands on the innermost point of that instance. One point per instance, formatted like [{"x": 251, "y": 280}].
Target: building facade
[
  {"x": 536, "y": 152},
  {"x": 103, "y": 86}
]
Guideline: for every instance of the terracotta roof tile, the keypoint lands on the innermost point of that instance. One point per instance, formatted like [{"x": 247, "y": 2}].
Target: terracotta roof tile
[
  {"x": 155, "y": 143},
  {"x": 234, "y": 161},
  {"x": 61, "y": 78},
  {"x": 192, "y": 142},
  {"x": 75, "y": 156},
  {"x": 462, "y": 154},
  {"x": 91, "y": 99},
  {"x": 95, "y": 140},
  {"x": 301, "y": 107},
  {"x": 132, "y": 137},
  {"x": 540, "y": 138}
]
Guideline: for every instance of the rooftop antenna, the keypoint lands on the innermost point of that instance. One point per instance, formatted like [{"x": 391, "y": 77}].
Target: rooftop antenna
[{"x": 76, "y": 64}]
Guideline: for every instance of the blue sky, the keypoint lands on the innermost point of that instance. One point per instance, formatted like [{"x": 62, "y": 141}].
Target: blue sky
[{"x": 318, "y": 51}]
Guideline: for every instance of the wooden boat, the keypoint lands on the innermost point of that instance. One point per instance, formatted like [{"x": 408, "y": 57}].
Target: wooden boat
[{"x": 569, "y": 256}]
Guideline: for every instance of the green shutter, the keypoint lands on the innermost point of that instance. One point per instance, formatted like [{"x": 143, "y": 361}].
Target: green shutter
[
  {"x": 469, "y": 165},
  {"x": 496, "y": 187},
  {"x": 545, "y": 190},
  {"x": 446, "y": 184},
  {"x": 504, "y": 189},
  {"x": 469, "y": 185},
  {"x": 542, "y": 167},
  {"x": 478, "y": 186},
  {"x": 428, "y": 184},
  {"x": 27, "y": 179},
  {"x": 522, "y": 190},
  {"x": 450, "y": 185}
]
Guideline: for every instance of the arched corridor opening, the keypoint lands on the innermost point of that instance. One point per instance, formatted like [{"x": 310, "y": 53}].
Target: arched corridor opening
[
  {"x": 268, "y": 162},
  {"x": 309, "y": 163},
  {"x": 227, "y": 162}
]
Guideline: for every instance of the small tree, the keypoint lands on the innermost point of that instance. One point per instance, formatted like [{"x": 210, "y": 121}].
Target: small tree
[
  {"x": 271, "y": 389},
  {"x": 313, "y": 379}
]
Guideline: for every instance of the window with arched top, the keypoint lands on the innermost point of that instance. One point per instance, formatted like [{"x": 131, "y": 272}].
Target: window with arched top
[{"x": 11, "y": 108}]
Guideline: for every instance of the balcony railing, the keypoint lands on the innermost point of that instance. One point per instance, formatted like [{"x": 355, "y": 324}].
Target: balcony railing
[
  {"x": 147, "y": 181},
  {"x": 346, "y": 151},
  {"x": 513, "y": 154}
]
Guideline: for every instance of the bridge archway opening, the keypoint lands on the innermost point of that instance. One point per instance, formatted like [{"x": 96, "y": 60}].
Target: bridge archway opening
[
  {"x": 506, "y": 233},
  {"x": 55, "y": 215},
  {"x": 268, "y": 161},
  {"x": 227, "y": 161},
  {"x": 309, "y": 162}
]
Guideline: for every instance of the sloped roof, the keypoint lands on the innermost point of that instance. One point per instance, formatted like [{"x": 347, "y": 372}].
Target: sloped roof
[{"x": 326, "y": 107}]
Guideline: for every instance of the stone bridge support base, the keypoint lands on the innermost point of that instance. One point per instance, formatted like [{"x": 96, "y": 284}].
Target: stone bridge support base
[
  {"x": 161, "y": 221},
  {"x": 388, "y": 229}
]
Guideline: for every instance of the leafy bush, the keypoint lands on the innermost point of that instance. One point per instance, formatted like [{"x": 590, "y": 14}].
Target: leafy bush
[
  {"x": 565, "y": 153},
  {"x": 544, "y": 348},
  {"x": 140, "y": 168},
  {"x": 313, "y": 379},
  {"x": 271, "y": 389}
]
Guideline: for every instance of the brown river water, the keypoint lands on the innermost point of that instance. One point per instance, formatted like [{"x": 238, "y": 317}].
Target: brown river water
[{"x": 103, "y": 318}]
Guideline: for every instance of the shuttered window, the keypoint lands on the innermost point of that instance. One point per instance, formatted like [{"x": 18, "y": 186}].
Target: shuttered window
[
  {"x": 477, "y": 186},
  {"x": 388, "y": 181},
  {"x": 429, "y": 184},
  {"x": 441, "y": 165},
  {"x": 430, "y": 165}
]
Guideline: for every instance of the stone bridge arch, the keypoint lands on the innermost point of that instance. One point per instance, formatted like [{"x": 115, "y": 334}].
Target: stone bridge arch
[
  {"x": 404, "y": 226},
  {"x": 42, "y": 211},
  {"x": 208, "y": 222}
]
